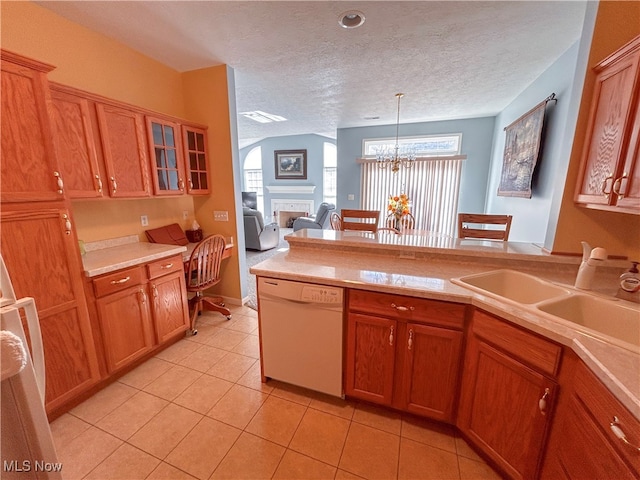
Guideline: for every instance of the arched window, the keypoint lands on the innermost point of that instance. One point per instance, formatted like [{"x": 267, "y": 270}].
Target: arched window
[
  {"x": 329, "y": 174},
  {"x": 253, "y": 175}
]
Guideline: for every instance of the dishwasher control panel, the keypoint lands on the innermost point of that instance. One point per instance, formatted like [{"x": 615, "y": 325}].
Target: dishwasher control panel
[{"x": 317, "y": 294}]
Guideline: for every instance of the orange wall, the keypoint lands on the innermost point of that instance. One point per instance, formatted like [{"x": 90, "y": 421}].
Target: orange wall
[
  {"x": 92, "y": 62},
  {"x": 616, "y": 24},
  {"x": 206, "y": 97},
  {"x": 88, "y": 60}
]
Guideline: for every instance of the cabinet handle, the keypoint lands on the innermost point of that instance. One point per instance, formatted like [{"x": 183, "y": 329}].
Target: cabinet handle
[
  {"x": 410, "y": 342},
  {"x": 121, "y": 281},
  {"x": 181, "y": 185},
  {"x": 67, "y": 224},
  {"x": 190, "y": 184},
  {"x": 391, "y": 337},
  {"x": 155, "y": 290},
  {"x": 114, "y": 185},
  {"x": 143, "y": 296},
  {"x": 60, "y": 182},
  {"x": 168, "y": 265},
  {"x": 617, "y": 431},
  {"x": 402, "y": 308},
  {"x": 605, "y": 182},
  {"x": 542, "y": 403},
  {"x": 99, "y": 183},
  {"x": 618, "y": 183}
]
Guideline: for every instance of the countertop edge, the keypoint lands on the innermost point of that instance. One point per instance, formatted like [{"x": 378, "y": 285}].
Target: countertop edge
[
  {"x": 109, "y": 260},
  {"x": 599, "y": 356}
]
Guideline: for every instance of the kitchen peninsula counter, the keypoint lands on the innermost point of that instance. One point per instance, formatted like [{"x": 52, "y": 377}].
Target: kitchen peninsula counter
[{"x": 423, "y": 265}]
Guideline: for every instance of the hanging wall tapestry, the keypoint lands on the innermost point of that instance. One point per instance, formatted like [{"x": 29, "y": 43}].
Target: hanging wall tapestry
[{"x": 521, "y": 150}]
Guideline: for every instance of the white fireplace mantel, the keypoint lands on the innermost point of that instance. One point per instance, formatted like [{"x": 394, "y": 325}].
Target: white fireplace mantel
[{"x": 295, "y": 189}]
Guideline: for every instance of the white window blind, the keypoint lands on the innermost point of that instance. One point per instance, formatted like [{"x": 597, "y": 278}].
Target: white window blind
[{"x": 432, "y": 186}]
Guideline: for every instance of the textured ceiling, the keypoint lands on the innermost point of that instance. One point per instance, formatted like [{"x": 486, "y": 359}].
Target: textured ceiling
[{"x": 451, "y": 59}]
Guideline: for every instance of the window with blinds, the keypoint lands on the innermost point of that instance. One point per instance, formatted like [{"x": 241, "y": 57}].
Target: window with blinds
[{"x": 432, "y": 183}]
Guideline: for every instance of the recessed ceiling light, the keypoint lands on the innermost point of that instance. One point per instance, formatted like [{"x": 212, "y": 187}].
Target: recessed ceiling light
[
  {"x": 263, "y": 117},
  {"x": 351, "y": 19}
]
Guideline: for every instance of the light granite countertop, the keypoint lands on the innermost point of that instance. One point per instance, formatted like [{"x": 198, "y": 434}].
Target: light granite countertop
[
  {"x": 359, "y": 260},
  {"x": 111, "y": 255}
]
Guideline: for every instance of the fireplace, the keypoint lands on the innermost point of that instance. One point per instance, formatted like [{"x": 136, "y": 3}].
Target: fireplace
[
  {"x": 284, "y": 209},
  {"x": 285, "y": 218}
]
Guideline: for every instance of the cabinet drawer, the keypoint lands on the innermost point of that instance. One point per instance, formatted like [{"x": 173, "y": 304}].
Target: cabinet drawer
[
  {"x": 602, "y": 407},
  {"x": 412, "y": 309},
  {"x": 114, "y": 282},
  {"x": 164, "y": 266},
  {"x": 533, "y": 350}
]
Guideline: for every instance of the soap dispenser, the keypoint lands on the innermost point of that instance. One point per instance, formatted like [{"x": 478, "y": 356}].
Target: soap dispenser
[{"x": 590, "y": 259}]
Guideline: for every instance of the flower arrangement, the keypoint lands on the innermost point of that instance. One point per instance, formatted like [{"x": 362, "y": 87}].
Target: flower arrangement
[{"x": 398, "y": 206}]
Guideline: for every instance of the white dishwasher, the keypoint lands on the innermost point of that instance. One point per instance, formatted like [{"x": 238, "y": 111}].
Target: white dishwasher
[{"x": 301, "y": 334}]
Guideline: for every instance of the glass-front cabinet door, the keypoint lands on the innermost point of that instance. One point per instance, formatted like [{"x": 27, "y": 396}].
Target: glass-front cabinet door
[
  {"x": 166, "y": 156},
  {"x": 195, "y": 154}
]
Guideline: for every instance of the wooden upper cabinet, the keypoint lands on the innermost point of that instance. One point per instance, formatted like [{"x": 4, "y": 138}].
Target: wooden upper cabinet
[
  {"x": 629, "y": 187},
  {"x": 196, "y": 159},
  {"x": 29, "y": 169},
  {"x": 165, "y": 148},
  {"x": 609, "y": 166},
  {"x": 75, "y": 143},
  {"x": 125, "y": 151}
]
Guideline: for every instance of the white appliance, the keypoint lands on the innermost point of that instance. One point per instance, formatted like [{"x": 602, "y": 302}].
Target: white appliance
[
  {"x": 26, "y": 447},
  {"x": 301, "y": 328}
]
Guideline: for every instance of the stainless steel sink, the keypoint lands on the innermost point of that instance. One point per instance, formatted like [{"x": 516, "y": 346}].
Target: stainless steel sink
[
  {"x": 609, "y": 317},
  {"x": 513, "y": 285}
]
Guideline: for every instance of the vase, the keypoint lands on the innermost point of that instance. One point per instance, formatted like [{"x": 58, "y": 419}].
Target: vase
[{"x": 397, "y": 222}]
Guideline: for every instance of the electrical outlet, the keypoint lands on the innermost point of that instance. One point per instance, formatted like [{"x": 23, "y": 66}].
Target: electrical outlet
[
  {"x": 185, "y": 215},
  {"x": 144, "y": 220},
  {"x": 351, "y": 196},
  {"x": 221, "y": 216}
]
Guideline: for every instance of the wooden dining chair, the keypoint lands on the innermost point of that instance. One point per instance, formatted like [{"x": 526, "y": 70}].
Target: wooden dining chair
[
  {"x": 362, "y": 220},
  {"x": 203, "y": 272},
  {"x": 467, "y": 231},
  {"x": 335, "y": 220}
]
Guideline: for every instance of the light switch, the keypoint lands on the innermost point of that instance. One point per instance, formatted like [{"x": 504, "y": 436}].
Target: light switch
[
  {"x": 221, "y": 215},
  {"x": 351, "y": 196}
]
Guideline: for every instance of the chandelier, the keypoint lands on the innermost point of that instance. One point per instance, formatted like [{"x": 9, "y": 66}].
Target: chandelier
[{"x": 395, "y": 157}]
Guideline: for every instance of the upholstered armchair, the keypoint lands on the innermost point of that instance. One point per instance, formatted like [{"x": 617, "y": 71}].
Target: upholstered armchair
[
  {"x": 257, "y": 235},
  {"x": 318, "y": 221}
]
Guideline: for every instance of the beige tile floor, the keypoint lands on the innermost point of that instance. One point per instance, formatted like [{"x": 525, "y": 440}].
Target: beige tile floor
[{"x": 198, "y": 410}]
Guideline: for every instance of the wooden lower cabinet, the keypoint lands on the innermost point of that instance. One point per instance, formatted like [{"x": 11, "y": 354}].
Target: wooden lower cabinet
[
  {"x": 506, "y": 403},
  {"x": 40, "y": 250},
  {"x": 371, "y": 358},
  {"x": 582, "y": 443},
  {"x": 139, "y": 309},
  {"x": 400, "y": 357},
  {"x": 432, "y": 360},
  {"x": 125, "y": 317},
  {"x": 169, "y": 306}
]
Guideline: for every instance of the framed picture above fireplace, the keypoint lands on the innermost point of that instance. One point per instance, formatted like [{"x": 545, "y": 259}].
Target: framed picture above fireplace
[{"x": 291, "y": 164}]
